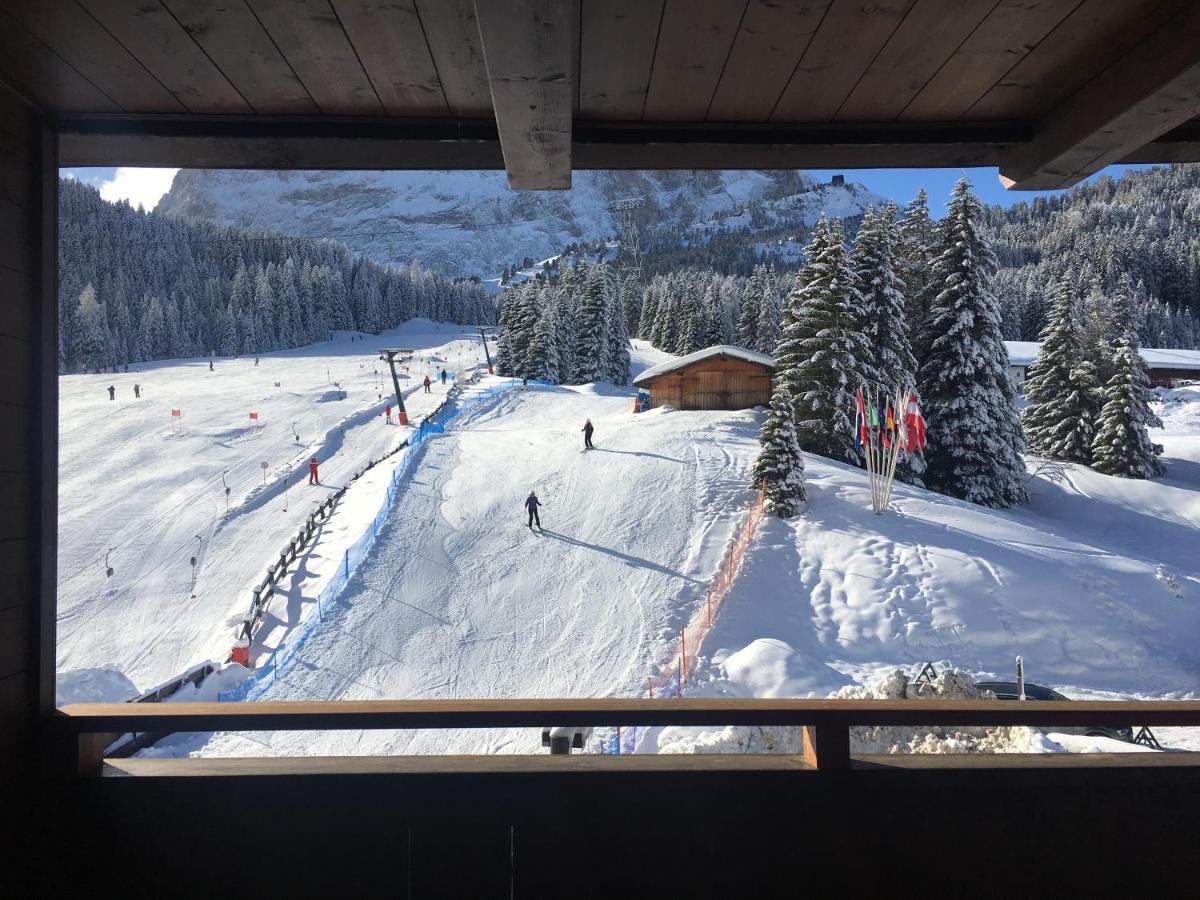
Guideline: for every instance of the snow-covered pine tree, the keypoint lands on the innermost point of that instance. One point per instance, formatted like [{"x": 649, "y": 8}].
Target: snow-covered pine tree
[
  {"x": 770, "y": 315},
  {"x": 889, "y": 362},
  {"x": 916, "y": 253},
  {"x": 974, "y": 433},
  {"x": 541, "y": 361},
  {"x": 1122, "y": 445},
  {"x": 780, "y": 464},
  {"x": 591, "y": 328},
  {"x": 1061, "y": 386},
  {"x": 505, "y": 363},
  {"x": 710, "y": 317},
  {"x": 820, "y": 352},
  {"x": 748, "y": 315},
  {"x": 650, "y": 298},
  {"x": 616, "y": 340},
  {"x": 90, "y": 342}
]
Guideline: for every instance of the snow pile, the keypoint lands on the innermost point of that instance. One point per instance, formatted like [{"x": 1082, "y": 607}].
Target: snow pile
[{"x": 950, "y": 684}]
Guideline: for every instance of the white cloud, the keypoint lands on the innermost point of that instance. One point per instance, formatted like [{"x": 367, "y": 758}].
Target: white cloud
[{"x": 141, "y": 187}]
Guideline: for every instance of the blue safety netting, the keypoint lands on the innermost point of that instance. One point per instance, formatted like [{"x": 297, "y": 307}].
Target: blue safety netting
[{"x": 269, "y": 670}]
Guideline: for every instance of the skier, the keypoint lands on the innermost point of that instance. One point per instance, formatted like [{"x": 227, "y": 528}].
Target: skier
[
  {"x": 443, "y": 377},
  {"x": 126, "y": 368},
  {"x": 137, "y": 391},
  {"x": 387, "y": 412},
  {"x": 587, "y": 434},
  {"x": 313, "y": 477},
  {"x": 524, "y": 384},
  {"x": 427, "y": 384},
  {"x": 256, "y": 360},
  {"x": 532, "y": 503},
  {"x": 210, "y": 366},
  {"x": 112, "y": 392}
]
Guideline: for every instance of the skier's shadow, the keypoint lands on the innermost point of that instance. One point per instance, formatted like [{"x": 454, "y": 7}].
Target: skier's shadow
[
  {"x": 638, "y": 453},
  {"x": 635, "y": 561}
]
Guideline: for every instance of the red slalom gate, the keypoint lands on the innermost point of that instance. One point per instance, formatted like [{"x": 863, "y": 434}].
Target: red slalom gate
[{"x": 670, "y": 681}]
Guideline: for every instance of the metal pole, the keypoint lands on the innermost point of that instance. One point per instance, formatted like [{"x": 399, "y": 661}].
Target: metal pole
[{"x": 391, "y": 361}]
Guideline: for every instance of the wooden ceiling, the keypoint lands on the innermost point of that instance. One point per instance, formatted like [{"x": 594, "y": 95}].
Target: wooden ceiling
[{"x": 1049, "y": 90}]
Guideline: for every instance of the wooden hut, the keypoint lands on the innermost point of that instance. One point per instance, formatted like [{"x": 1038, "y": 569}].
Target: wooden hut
[{"x": 720, "y": 377}]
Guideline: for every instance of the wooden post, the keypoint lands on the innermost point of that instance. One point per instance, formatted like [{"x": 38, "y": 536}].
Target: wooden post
[
  {"x": 708, "y": 600},
  {"x": 682, "y": 657},
  {"x": 827, "y": 747}
]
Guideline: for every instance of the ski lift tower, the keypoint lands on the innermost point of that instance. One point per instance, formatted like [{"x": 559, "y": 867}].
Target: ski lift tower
[
  {"x": 625, "y": 212},
  {"x": 389, "y": 355},
  {"x": 485, "y": 332}
]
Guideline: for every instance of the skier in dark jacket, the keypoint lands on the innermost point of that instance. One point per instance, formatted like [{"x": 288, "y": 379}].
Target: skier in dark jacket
[
  {"x": 137, "y": 391},
  {"x": 427, "y": 384},
  {"x": 443, "y": 376},
  {"x": 112, "y": 392},
  {"x": 532, "y": 503},
  {"x": 587, "y": 434}
]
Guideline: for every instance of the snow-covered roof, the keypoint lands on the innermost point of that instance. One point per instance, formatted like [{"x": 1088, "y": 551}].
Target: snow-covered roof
[
  {"x": 719, "y": 350},
  {"x": 1023, "y": 353}
]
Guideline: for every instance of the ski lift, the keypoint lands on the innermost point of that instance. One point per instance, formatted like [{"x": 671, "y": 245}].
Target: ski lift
[{"x": 108, "y": 570}]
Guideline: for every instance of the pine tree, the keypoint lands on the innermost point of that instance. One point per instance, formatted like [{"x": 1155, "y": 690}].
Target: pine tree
[
  {"x": 748, "y": 315},
  {"x": 1122, "y": 445},
  {"x": 542, "y": 358},
  {"x": 770, "y": 315},
  {"x": 974, "y": 433},
  {"x": 591, "y": 328},
  {"x": 889, "y": 362},
  {"x": 820, "y": 352},
  {"x": 89, "y": 344},
  {"x": 616, "y": 341},
  {"x": 916, "y": 253},
  {"x": 1061, "y": 386},
  {"x": 780, "y": 464}
]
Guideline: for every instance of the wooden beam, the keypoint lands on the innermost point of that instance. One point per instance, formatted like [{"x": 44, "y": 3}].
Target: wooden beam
[
  {"x": 439, "y": 714},
  {"x": 530, "y": 49},
  {"x": 1145, "y": 94}
]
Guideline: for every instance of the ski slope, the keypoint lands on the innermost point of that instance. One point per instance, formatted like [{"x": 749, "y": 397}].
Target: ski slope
[
  {"x": 460, "y": 599},
  {"x": 133, "y": 480}
]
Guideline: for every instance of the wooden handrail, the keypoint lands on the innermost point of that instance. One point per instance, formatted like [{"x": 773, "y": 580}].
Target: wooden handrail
[{"x": 91, "y": 718}]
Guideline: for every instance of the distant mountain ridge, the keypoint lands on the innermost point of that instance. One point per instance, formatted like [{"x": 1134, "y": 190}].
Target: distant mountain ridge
[{"x": 471, "y": 223}]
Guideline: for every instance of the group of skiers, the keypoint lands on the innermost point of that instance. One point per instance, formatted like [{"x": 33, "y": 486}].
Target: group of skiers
[
  {"x": 532, "y": 503},
  {"x": 112, "y": 392}
]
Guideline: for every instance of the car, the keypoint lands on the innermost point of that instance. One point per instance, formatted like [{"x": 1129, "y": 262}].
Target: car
[{"x": 1009, "y": 690}]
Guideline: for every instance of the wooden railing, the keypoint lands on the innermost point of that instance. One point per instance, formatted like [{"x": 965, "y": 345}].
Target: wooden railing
[{"x": 827, "y": 723}]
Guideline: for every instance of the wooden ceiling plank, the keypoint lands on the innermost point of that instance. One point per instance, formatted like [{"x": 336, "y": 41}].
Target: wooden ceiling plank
[
  {"x": 529, "y": 48},
  {"x": 1143, "y": 95},
  {"x": 616, "y": 57},
  {"x": 1007, "y": 35},
  {"x": 1082, "y": 45},
  {"x": 925, "y": 40},
  {"x": 693, "y": 44},
  {"x": 765, "y": 52},
  {"x": 237, "y": 43},
  {"x": 77, "y": 38},
  {"x": 310, "y": 36},
  {"x": 42, "y": 76},
  {"x": 453, "y": 38},
  {"x": 148, "y": 31},
  {"x": 850, "y": 37},
  {"x": 391, "y": 45}
]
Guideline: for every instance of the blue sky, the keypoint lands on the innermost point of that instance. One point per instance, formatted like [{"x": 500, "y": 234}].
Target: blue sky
[{"x": 145, "y": 186}]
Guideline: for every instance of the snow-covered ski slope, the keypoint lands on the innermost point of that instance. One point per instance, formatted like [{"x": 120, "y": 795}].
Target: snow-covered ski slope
[
  {"x": 460, "y": 599},
  {"x": 1096, "y": 583},
  {"x": 132, "y": 480}
]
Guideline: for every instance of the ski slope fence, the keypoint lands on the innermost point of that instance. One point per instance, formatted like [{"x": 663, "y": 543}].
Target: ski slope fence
[
  {"x": 282, "y": 656},
  {"x": 671, "y": 679}
]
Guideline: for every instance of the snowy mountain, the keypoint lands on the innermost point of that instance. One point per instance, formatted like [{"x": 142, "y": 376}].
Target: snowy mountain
[{"x": 471, "y": 223}]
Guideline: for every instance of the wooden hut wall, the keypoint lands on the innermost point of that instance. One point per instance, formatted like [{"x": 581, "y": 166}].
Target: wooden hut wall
[{"x": 713, "y": 384}]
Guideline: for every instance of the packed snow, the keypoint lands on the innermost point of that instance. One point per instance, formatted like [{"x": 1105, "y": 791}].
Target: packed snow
[{"x": 146, "y": 490}]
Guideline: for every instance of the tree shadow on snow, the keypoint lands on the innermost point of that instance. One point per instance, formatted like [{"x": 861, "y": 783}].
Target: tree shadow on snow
[{"x": 635, "y": 561}]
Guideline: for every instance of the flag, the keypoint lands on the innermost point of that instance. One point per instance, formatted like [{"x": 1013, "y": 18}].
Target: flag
[
  {"x": 253, "y": 417},
  {"x": 860, "y": 420},
  {"x": 176, "y": 412},
  {"x": 889, "y": 426},
  {"x": 914, "y": 424}
]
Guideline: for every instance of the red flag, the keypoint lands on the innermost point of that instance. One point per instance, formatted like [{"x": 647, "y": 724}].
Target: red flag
[
  {"x": 914, "y": 424},
  {"x": 253, "y": 417},
  {"x": 860, "y": 420},
  {"x": 176, "y": 412},
  {"x": 889, "y": 425}
]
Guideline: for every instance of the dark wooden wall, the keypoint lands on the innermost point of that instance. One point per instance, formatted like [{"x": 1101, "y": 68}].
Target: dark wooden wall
[
  {"x": 24, "y": 194},
  {"x": 713, "y": 384}
]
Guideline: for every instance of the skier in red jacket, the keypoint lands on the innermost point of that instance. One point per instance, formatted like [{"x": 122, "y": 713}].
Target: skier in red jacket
[{"x": 313, "y": 478}]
